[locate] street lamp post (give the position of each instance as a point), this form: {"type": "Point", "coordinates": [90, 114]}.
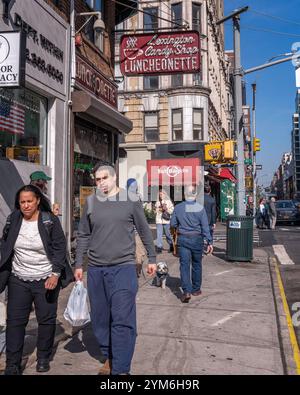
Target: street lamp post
{"type": "Point", "coordinates": [252, 142]}
{"type": "Point", "coordinates": [99, 27]}
{"type": "Point", "coordinates": [238, 103]}
{"type": "Point", "coordinates": [238, 75]}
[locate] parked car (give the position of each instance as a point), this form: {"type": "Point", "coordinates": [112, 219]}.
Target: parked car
{"type": "Point", "coordinates": [287, 211]}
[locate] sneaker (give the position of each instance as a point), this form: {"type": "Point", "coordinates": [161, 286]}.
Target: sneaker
{"type": "Point", "coordinates": [106, 368]}
{"type": "Point", "coordinates": [158, 250]}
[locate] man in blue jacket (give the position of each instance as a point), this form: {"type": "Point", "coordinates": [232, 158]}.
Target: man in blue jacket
{"type": "Point", "coordinates": [190, 219]}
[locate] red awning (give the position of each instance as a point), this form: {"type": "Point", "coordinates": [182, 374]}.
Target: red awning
{"type": "Point", "coordinates": [181, 171]}
{"type": "Point", "coordinates": [226, 173]}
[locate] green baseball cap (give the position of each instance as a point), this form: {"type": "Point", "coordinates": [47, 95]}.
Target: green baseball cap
{"type": "Point", "coordinates": [39, 175]}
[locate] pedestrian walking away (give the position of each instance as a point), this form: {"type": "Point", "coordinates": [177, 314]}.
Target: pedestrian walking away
{"type": "Point", "coordinates": [190, 219]}
{"type": "Point", "coordinates": [106, 231]}
{"type": "Point", "coordinates": [164, 208]}
{"type": "Point", "coordinates": [34, 266]}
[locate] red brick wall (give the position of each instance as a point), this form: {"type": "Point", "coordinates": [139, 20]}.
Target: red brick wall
{"type": "Point", "coordinates": [105, 61]}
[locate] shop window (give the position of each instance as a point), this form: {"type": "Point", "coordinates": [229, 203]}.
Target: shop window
{"type": "Point", "coordinates": [151, 82]}
{"type": "Point", "coordinates": [92, 144]}
{"type": "Point", "coordinates": [176, 12]}
{"type": "Point", "coordinates": [23, 125]}
{"type": "Point", "coordinates": [151, 18]}
{"type": "Point", "coordinates": [177, 80]}
{"type": "Point", "coordinates": [57, 3]}
{"type": "Point", "coordinates": [196, 17]}
{"type": "Point", "coordinates": [151, 129]}
{"type": "Point", "coordinates": [95, 35]}
{"type": "Point", "coordinates": [197, 124]}
{"type": "Point", "coordinates": [95, 5]}
{"type": "Point", "coordinates": [177, 126]}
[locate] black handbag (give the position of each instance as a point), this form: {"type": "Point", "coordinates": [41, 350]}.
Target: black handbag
{"type": "Point", "coordinates": [67, 276]}
{"type": "Point", "coordinates": [165, 215]}
{"type": "Point", "coordinates": [5, 271]}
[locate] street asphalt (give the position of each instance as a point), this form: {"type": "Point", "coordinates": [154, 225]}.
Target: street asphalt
{"type": "Point", "coordinates": [287, 236]}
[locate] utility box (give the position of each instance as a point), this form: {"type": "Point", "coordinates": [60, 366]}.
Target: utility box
{"type": "Point", "coordinates": [239, 239]}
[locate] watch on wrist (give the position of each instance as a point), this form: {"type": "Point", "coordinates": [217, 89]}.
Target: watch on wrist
{"type": "Point", "coordinates": [55, 274]}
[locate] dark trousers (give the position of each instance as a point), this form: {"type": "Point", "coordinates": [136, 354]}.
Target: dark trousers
{"type": "Point", "coordinates": [21, 294]}
{"type": "Point", "coordinates": [112, 291]}
{"type": "Point", "coordinates": [190, 258]}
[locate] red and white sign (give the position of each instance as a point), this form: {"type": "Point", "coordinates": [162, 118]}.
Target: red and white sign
{"type": "Point", "coordinates": [160, 53]}
{"type": "Point", "coordinates": [96, 82]}
{"type": "Point", "coordinates": [174, 171]}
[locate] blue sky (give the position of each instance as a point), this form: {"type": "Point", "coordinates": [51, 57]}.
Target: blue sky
{"type": "Point", "coordinates": [276, 86]}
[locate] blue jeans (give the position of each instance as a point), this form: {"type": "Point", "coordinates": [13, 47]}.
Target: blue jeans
{"type": "Point", "coordinates": [160, 229]}
{"type": "Point", "coordinates": [190, 252]}
{"type": "Point", "coordinates": [112, 291]}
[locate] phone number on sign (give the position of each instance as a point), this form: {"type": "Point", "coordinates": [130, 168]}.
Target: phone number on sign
{"type": "Point", "coordinates": [37, 61]}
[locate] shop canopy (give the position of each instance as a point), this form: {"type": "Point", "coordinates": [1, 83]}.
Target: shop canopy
{"type": "Point", "coordinates": [183, 171]}
{"type": "Point", "coordinates": [226, 173]}
{"type": "Point", "coordinates": [84, 102]}
{"type": "Point", "coordinates": [223, 174]}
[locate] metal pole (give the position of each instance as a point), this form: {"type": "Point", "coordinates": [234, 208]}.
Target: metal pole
{"type": "Point", "coordinates": [269, 64]}
{"type": "Point", "coordinates": [253, 152]}
{"type": "Point", "coordinates": [238, 73]}
{"type": "Point", "coordinates": [68, 149]}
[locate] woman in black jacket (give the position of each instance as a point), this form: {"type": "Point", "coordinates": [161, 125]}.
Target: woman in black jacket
{"type": "Point", "coordinates": [33, 258]}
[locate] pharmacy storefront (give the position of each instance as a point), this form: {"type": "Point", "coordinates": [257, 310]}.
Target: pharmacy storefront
{"type": "Point", "coordinates": [33, 113]}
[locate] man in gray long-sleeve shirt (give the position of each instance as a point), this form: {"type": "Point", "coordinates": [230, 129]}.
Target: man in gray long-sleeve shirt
{"type": "Point", "coordinates": [106, 233]}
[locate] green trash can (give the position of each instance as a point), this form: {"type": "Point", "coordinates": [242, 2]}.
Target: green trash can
{"type": "Point", "coordinates": [239, 238]}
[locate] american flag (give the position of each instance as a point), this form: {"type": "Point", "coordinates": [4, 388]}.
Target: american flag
{"type": "Point", "coordinates": [12, 117]}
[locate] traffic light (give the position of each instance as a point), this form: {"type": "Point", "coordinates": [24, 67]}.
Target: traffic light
{"type": "Point", "coordinates": [256, 144]}
{"type": "Point", "coordinates": [228, 149]}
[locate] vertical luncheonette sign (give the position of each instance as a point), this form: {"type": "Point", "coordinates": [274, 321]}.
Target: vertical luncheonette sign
{"type": "Point", "coordinates": [160, 53]}
{"type": "Point", "coordinates": [12, 59]}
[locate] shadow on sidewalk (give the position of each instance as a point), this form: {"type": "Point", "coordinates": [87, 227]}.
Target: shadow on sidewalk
{"type": "Point", "coordinates": [84, 341]}
{"type": "Point", "coordinates": [219, 253]}
{"type": "Point", "coordinates": [173, 283]}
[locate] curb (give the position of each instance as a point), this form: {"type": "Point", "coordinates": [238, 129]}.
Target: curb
{"type": "Point", "coordinates": [288, 344]}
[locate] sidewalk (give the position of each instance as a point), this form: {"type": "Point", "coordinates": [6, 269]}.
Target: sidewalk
{"type": "Point", "coordinates": [230, 329]}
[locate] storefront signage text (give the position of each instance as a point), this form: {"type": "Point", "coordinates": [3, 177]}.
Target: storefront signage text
{"type": "Point", "coordinates": [95, 82]}
{"type": "Point", "coordinates": [12, 63]}
{"type": "Point", "coordinates": [182, 171]}
{"type": "Point", "coordinates": [48, 46]}
{"type": "Point", "coordinates": [160, 53]}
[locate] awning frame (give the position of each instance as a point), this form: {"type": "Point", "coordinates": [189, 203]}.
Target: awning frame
{"type": "Point", "coordinates": [84, 102]}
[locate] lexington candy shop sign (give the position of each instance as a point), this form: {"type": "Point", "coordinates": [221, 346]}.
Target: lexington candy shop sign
{"type": "Point", "coordinates": [160, 53]}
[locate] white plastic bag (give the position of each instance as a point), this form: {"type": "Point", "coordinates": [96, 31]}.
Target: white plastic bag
{"type": "Point", "coordinates": [77, 311]}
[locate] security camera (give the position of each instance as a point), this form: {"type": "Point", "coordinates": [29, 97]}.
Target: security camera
{"type": "Point", "coordinates": [70, 103]}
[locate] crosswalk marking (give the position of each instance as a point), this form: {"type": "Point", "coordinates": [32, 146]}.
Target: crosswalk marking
{"type": "Point", "coordinates": [282, 255]}
{"type": "Point", "coordinates": [220, 236]}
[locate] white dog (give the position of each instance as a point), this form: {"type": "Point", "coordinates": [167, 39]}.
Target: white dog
{"type": "Point", "coordinates": [161, 274]}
